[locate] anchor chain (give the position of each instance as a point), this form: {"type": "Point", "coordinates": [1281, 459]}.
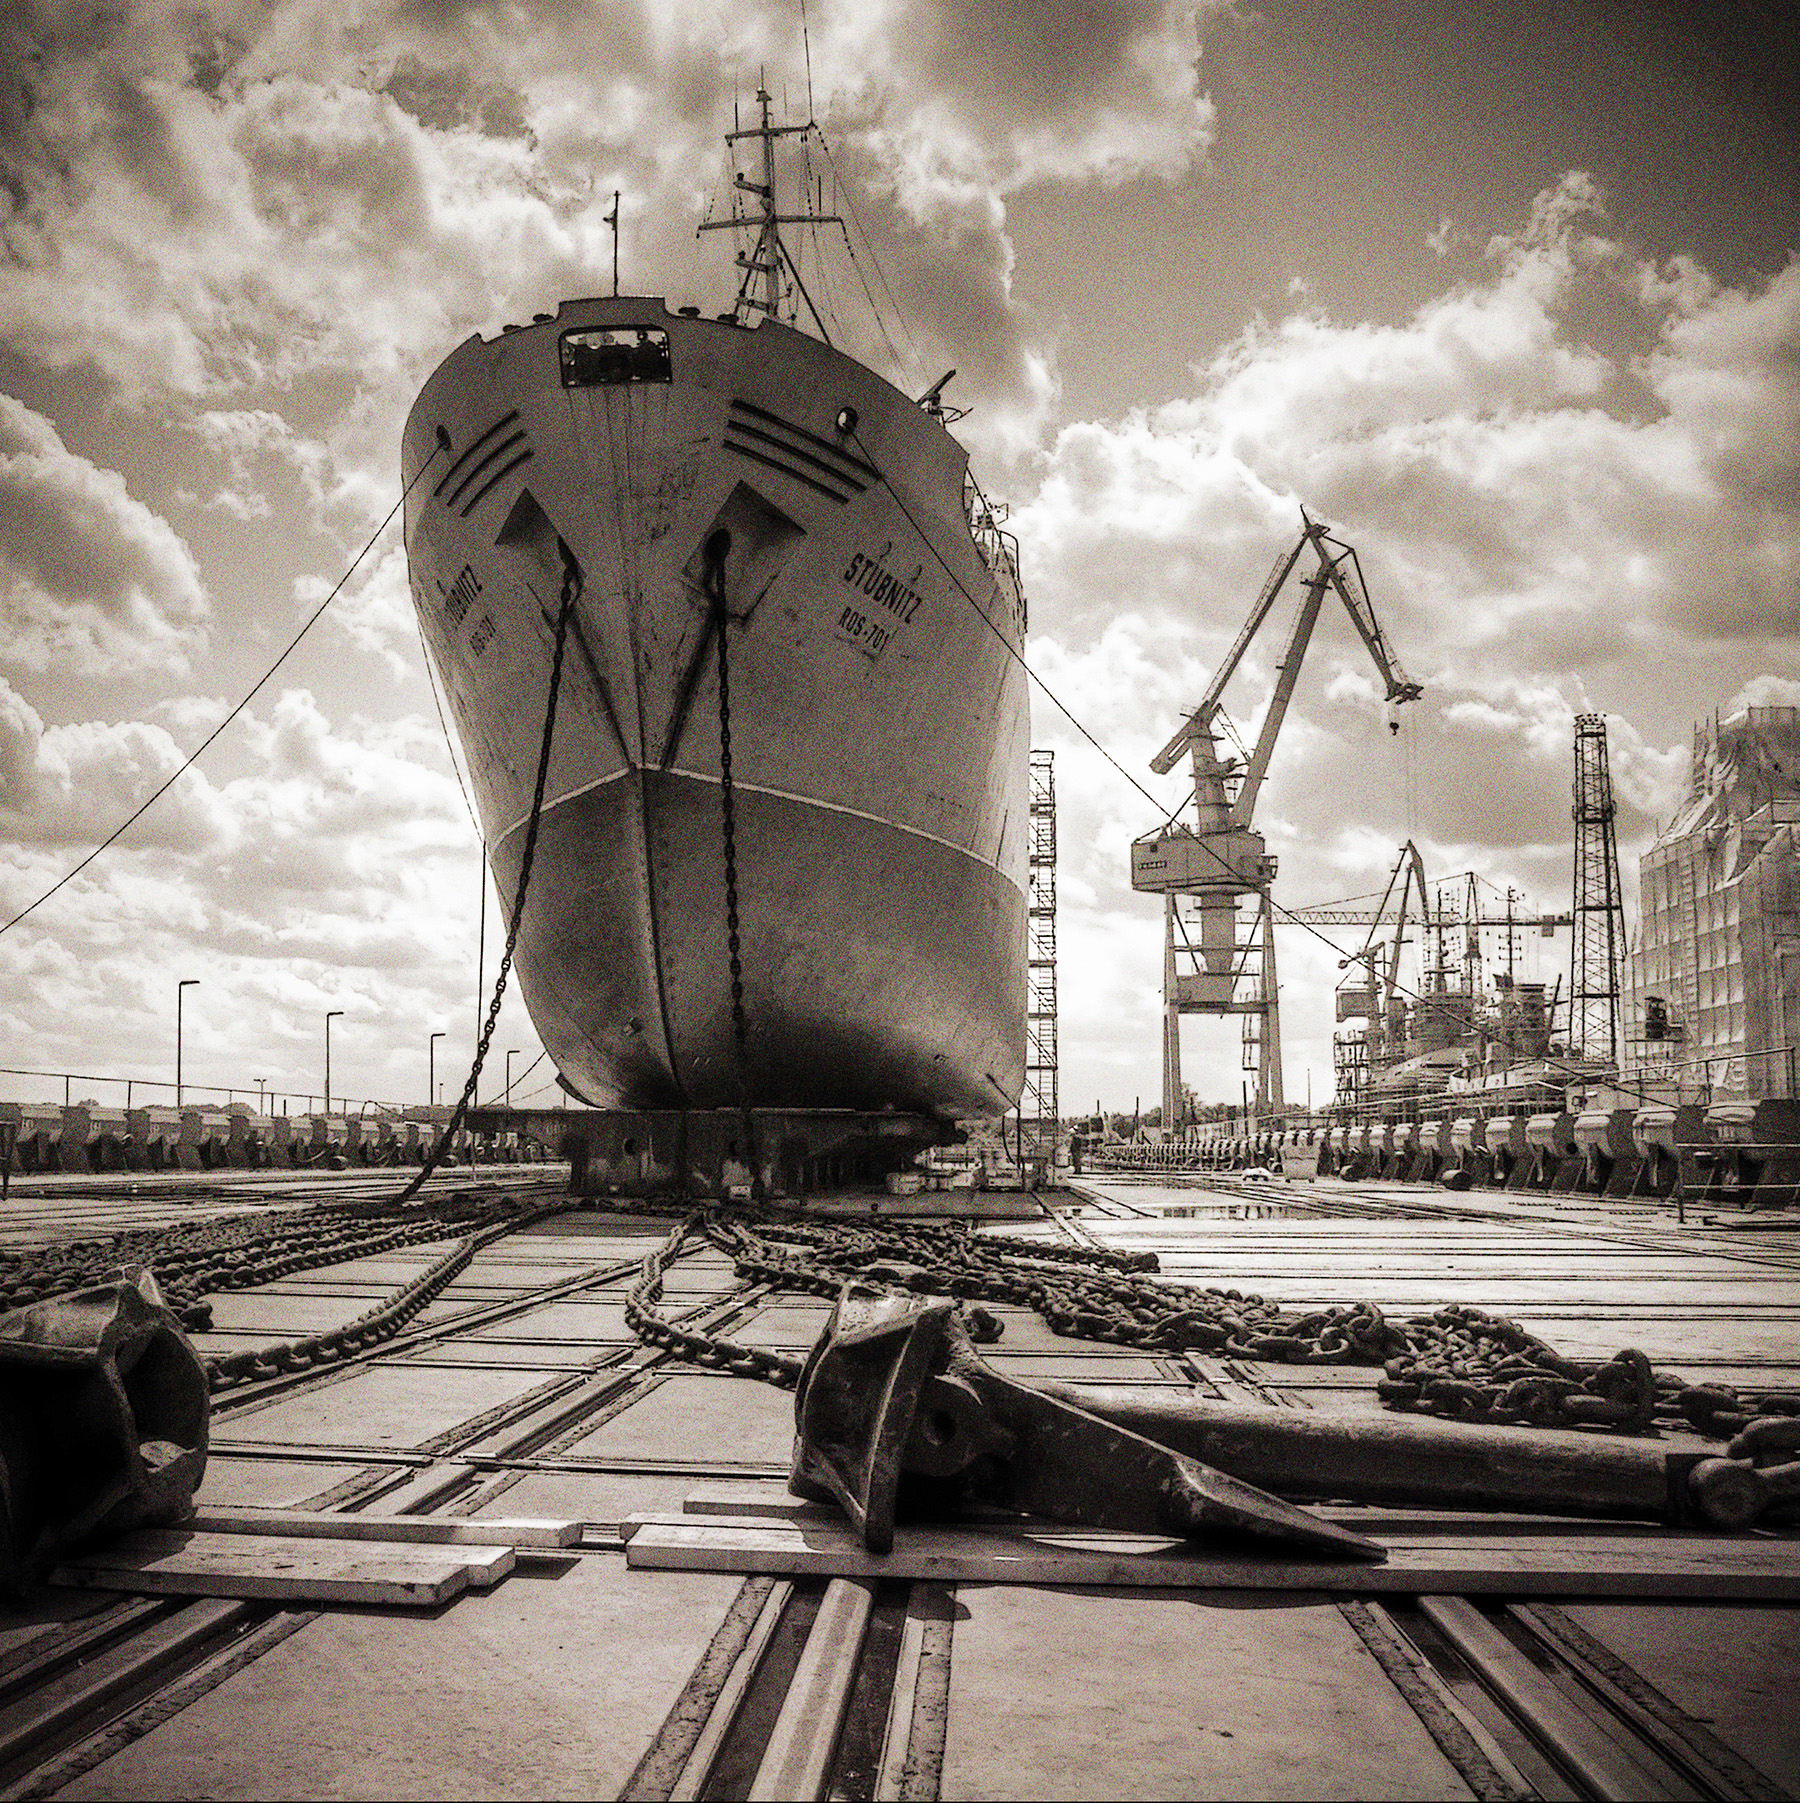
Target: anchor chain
{"type": "Point", "coordinates": [710, 1350]}
{"type": "Point", "coordinates": [1458, 1362]}
{"type": "Point", "coordinates": [715, 552]}
{"type": "Point", "coordinates": [375, 1325]}
{"type": "Point", "coordinates": [571, 590]}
{"type": "Point", "coordinates": [193, 1262]}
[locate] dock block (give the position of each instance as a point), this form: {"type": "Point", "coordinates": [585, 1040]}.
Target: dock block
{"type": "Point", "coordinates": [1753, 1158]}
{"type": "Point", "coordinates": [617, 1152]}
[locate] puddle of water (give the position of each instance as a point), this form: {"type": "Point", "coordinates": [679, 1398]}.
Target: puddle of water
{"type": "Point", "coordinates": [1234, 1211]}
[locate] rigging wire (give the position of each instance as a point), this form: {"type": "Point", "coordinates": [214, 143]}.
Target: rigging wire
{"type": "Point", "coordinates": [193, 757]}
{"type": "Point", "coordinates": [841, 192]}
{"type": "Point", "coordinates": [572, 585]}
{"type": "Point", "coordinates": [1287, 914]}
{"type": "Point", "coordinates": [526, 1072]}
{"type": "Point", "coordinates": [806, 46]}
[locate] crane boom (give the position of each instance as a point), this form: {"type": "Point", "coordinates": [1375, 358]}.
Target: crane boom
{"type": "Point", "coordinates": [1201, 718]}
{"type": "Point", "coordinates": [1287, 673]}
{"type": "Point", "coordinates": [1338, 569]}
{"type": "Point", "coordinates": [1347, 579]}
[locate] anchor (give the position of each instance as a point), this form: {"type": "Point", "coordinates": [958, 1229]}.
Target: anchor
{"type": "Point", "coordinates": [896, 1412]}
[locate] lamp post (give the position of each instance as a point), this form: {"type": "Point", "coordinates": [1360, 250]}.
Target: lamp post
{"type": "Point", "coordinates": [185, 983]}
{"type": "Point", "coordinates": [431, 1068]}
{"type": "Point", "coordinates": [329, 1018]}
{"type": "Point", "coordinates": [260, 1081]}
{"type": "Point", "coordinates": [511, 1053]}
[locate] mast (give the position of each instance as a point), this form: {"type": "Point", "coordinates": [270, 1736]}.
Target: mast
{"type": "Point", "coordinates": [759, 291]}
{"type": "Point", "coordinates": [768, 241]}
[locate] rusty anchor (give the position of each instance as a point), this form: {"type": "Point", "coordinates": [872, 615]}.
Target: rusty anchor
{"type": "Point", "coordinates": [895, 1409]}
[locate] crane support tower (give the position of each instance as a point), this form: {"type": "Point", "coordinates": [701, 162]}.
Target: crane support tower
{"type": "Point", "coordinates": [1599, 907]}
{"type": "Point", "coordinates": [1038, 1120]}
{"type": "Point", "coordinates": [1209, 965]}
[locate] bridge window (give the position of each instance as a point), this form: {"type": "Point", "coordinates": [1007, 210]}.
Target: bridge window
{"type": "Point", "coordinates": [603, 358]}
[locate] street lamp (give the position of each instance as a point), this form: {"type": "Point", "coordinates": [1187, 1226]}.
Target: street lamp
{"type": "Point", "coordinates": [260, 1081]}
{"type": "Point", "coordinates": [185, 983]}
{"type": "Point", "coordinates": [431, 1067]}
{"type": "Point", "coordinates": [329, 1018]}
{"type": "Point", "coordinates": [511, 1053]}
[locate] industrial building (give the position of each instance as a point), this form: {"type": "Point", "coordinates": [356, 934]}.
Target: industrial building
{"type": "Point", "coordinates": [1713, 981]}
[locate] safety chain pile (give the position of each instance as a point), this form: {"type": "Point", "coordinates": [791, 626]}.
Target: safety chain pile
{"type": "Point", "coordinates": [377, 1324]}
{"type": "Point", "coordinates": [1460, 1362]}
{"type": "Point", "coordinates": [245, 1251]}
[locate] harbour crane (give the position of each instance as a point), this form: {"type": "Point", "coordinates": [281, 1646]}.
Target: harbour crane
{"type": "Point", "coordinates": [1221, 858]}
{"type": "Point", "coordinates": [1438, 1018]}
{"type": "Point", "coordinates": [1375, 991]}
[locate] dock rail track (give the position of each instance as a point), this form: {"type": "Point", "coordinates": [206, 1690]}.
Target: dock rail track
{"type": "Point", "coordinates": [852, 1687]}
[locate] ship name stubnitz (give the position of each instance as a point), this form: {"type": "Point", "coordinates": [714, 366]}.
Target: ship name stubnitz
{"type": "Point", "coordinates": [458, 599]}
{"type": "Point", "coordinates": [886, 591]}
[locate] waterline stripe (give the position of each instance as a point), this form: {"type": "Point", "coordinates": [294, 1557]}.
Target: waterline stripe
{"type": "Point", "coordinates": [810, 801]}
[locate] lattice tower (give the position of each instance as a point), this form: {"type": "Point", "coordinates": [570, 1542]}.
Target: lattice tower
{"type": "Point", "coordinates": [1599, 906]}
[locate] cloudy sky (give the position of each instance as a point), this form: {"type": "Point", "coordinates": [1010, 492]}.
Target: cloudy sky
{"type": "Point", "coordinates": [1508, 295]}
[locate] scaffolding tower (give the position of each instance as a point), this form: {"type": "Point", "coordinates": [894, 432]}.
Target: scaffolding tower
{"type": "Point", "coordinates": [1599, 905]}
{"type": "Point", "coordinates": [1038, 1118]}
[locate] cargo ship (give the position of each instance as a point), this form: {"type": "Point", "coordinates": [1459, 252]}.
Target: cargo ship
{"type": "Point", "coordinates": [686, 478]}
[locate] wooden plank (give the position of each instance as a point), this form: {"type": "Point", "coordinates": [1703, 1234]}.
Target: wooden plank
{"type": "Point", "coordinates": [750, 1501]}
{"type": "Point", "coordinates": [424, 1530]}
{"type": "Point", "coordinates": [745, 1500]}
{"type": "Point", "coordinates": [168, 1562]}
{"type": "Point", "coordinates": [1599, 1564]}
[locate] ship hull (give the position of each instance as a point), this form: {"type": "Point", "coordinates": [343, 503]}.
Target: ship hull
{"type": "Point", "coordinates": [877, 717]}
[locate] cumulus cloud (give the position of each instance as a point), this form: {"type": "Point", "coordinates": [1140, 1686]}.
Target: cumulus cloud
{"type": "Point", "coordinates": [245, 438]}
{"type": "Point", "coordinates": [71, 785]}
{"type": "Point", "coordinates": [1507, 497]}
{"type": "Point", "coordinates": [90, 578]}
{"type": "Point", "coordinates": [213, 205]}
{"type": "Point", "coordinates": [334, 868]}
{"type": "Point", "coordinates": [1555, 516]}
{"type": "Point", "coordinates": [375, 613]}
{"type": "Point", "coordinates": [971, 102]}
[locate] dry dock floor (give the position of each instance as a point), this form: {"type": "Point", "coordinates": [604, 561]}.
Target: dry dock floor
{"type": "Point", "coordinates": [520, 1393]}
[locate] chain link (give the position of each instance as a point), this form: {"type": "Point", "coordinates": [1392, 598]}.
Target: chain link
{"type": "Point", "coordinates": [195, 1261]}
{"type": "Point", "coordinates": [1459, 1362]}
{"type": "Point", "coordinates": [710, 1350]}
{"type": "Point", "coordinates": [571, 590]}
{"type": "Point", "coordinates": [740, 1022]}
{"type": "Point", "coordinates": [378, 1324]}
